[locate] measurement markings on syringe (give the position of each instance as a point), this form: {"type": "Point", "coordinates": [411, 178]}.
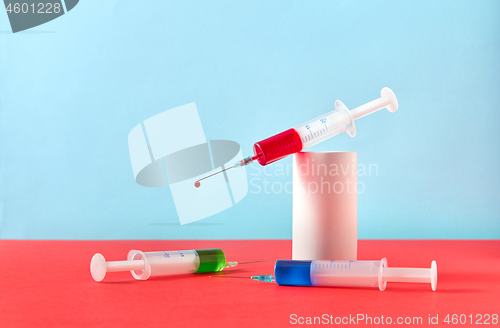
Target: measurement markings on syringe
{"type": "Point", "coordinates": [323, 120]}
{"type": "Point", "coordinates": [316, 134]}
{"type": "Point", "coordinates": [333, 265]}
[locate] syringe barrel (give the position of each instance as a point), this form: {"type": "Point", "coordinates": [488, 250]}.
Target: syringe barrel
{"type": "Point", "coordinates": [345, 273]}
{"type": "Point", "coordinates": [324, 127]}
{"type": "Point", "coordinates": [177, 262]}
{"type": "Point", "coordinates": [277, 147]}
{"type": "Point", "coordinates": [328, 273]}
{"type": "Point", "coordinates": [302, 136]}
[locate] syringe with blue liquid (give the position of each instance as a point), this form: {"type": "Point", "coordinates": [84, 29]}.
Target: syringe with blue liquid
{"type": "Point", "coordinates": [345, 274]}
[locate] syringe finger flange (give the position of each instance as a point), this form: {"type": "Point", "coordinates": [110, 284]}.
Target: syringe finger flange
{"type": "Point", "coordinates": [350, 128]}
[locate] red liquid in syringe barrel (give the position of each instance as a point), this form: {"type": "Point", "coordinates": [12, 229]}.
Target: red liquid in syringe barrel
{"type": "Point", "coordinates": [277, 147]}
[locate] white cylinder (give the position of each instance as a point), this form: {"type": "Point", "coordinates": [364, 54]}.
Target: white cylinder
{"type": "Point", "coordinates": [325, 206]}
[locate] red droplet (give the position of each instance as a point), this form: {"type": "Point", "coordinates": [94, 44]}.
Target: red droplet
{"type": "Point", "coordinates": [197, 184]}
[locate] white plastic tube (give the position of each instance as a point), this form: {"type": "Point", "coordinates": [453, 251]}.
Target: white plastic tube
{"type": "Point", "coordinates": [325, 206]}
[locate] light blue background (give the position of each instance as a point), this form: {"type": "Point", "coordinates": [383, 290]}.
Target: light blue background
{"type": "Point", "coordinates": [73, 88]}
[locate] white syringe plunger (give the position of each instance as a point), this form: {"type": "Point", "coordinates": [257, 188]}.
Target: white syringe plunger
{"type": "Point", "coordinates": [99, 266]}
{"type": "Point", "coordinates": [387, 100]}
{"type": "Point", "coordinates": [342, 119]}
{"type": "Point", "coordinates": [419, 275]}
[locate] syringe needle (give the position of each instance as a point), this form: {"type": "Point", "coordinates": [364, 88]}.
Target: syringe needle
{"type": "Point", "coordinates": [197, 184]}
{"type": "Point", "coordinates": [230, 276]}
{"type": "Point", "coordinates": [241, 163]}
{"type": "Point", "coordinates": [252, 262]}
{"type": "Point", "coordinates": [266, 278]}
{"type": "Point", "coordinates": [233, 264]}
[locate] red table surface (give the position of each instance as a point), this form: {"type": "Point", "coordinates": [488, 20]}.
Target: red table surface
{"type": "Point", "coordinates": [48, 284]}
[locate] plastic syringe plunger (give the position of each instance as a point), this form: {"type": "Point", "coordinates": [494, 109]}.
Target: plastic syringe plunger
{"type": "Point", "coordinates": [99, 267]}
{"type": "Point", "coordinates": [420, 275]}
{"type": "Point", "coordinates": [387, 100]}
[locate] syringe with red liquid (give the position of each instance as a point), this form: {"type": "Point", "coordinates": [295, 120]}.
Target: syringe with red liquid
{"type": "Point", "coordinates": [314, 131]}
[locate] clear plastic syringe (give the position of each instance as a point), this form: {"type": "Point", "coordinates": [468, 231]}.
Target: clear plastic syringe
{"type": "Point", "coordinates": [314, 131]}
{"type": "Point", "coordinates": [346, 274]}
{"type": "Point", "coordinates": [143, 265]}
